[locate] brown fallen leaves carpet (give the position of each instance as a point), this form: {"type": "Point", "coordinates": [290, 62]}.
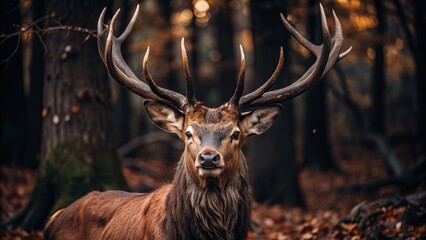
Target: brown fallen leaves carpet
{"type": "Point", "coordinates": [378, 215]}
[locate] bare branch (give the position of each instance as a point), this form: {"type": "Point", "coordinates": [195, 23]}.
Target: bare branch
{"type": "Point", "coordinates": [67, 28]}
{"type": "Point", "coordinates": [18, 43]}
{"type": "Point", "coordinates": [34, 29]}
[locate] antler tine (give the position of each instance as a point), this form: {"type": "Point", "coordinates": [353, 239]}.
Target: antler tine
{"type": "Point", "coordinates": [100, 35]}
{"type": "Point", "coordinates": [159, 91]}
{"type": "Point", "coordinates": [345, 53]}
{"type": "Point", "coordinates": [268, 84]}
{"type": "Point", "coordinates": [337, 43]}
{"type": "Point", "coordinates": [239, 88]}
{"type": "Point", "coordinates": [116, 45]}
{"type": "Point", "coordinates": [190, 92]}
{"type": "Point", "coordinates": [315, 72]}
{"type": "Point", "coordinates": [148, 77]}
{"type": "Point", "coordinates": [119, 69]}
{"type": "Point", "coordinates": [109, 46]}
{"type": "Point", "coordinates": [339, 28]}
{"type": "Point", "coordinates": [302, 40]}
{"type": "Point", "coordinates": [129, 27]}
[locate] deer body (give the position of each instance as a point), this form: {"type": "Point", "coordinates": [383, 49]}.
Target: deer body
{"type": "Point", "coordinates": [192, 207]}
{"type": "Point", "coordinates": [209, 197]}
{"type": "Point", "coordinates": [101, 214]}
{"type": "Point", "coordinates": [158, 215]}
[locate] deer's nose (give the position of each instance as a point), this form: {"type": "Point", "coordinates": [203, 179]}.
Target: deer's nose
{"type": "Point", "coordinates": [209, 160]}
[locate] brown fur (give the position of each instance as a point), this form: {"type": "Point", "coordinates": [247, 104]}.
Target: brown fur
{"type": "Point", "coordinates": [203, 115]}
{"type": "Point", "coordinates": [192, 207]}
{"type": "Point", "coordinates": [215, 210]}
{"type": "Point", "coordinates": [111, 215]}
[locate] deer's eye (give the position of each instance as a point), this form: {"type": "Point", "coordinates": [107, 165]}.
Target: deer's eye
{"type": "Point", "coordinates": [188, 134]}
{"type": "Point", "coordinates": [235, 135]}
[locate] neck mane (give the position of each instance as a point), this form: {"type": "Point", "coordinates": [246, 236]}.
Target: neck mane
{"type": "Point", "coordinates": [216, 208]}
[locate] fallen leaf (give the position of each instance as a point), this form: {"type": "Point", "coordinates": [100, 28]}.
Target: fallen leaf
{"type": "Point", "coordinates": [348, 226]}
{"type": "Point", "coordinates": [398, 226]}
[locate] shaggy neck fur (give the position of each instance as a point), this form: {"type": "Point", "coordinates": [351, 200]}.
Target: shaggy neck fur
{"type": "Point", "coordinates": [216, 208]}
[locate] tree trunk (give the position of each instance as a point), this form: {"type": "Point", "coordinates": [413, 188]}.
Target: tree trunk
{"type": "Point", "coordinates": [122, 116]}
{"type": "Point", "coordinates": [272, 165]}
{"type": "Point", "coordinates": [317, 153]}
{"type": "Point", "coordinates": [35, 102]}
{"type": "Point", "coordinates": [77, 150]}
{"type": "Point", "coordinates": [378, 87]}
{"type": "Point", "coordinates": [13, 105]}
{"type": "Point", "coordinates": [415, 40]}
{"type": "Point", "coordinates": [420, 26]}
{"type": "Point", "coordinates": [172, 80]}
{"type": "Point", "coordinates": [194, 62]}
{"type": "Point", "coordinates": [225, 43]}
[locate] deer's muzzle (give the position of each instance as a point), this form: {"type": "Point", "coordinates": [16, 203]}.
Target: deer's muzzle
{"type": "Point", "coordinates": [209, 164]}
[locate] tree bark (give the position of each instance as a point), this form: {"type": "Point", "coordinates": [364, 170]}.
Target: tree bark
{"type": "Point", "coordinates": [225, 44]}
{"type": "Point", "coordinates": [78, 154]}
{"type": "Point", "coordinates": [35, 102]}
{"type": "Point", "coordinates": [122, 116]}
{"type": "Point", "coordinates": [415, 40]}
{"type": "Point", "coordinates": [272, 165]}
{"type": "Point", "coordinates": [172, 80]}
{"type": "Point", "coordinates": [378, 87]}
{"type": "Point", "coordinates": [317, 153]}
{"type": "Point", "coordinates": [194, 62]}
{"type": "Point", "coordinates": [420, 26]}
{"type": "Point", "coordinates": [13, 105]}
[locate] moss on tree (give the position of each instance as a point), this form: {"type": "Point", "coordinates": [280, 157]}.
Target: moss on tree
{"type": "Point", "coordinates": [73, 169]}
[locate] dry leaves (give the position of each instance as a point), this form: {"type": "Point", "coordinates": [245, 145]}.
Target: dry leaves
{"type": "Point", "coordinates": [277, 222]}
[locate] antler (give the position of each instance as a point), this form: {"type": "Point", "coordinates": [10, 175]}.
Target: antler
{"type": "Point", "coordinates": [327, 54]}
{"type": "Point", "coordinates": [235, 99]}
{"type": "Point", "coordinates": [109, 48]}
{"type": "Point", "coordinates": [190, 92]}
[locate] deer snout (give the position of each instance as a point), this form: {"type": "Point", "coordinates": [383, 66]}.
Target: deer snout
{"type": "Point", "coordinates": [209, 160]}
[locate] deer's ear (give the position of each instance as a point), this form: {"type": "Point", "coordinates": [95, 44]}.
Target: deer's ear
{"type": "Point", "coordinates": [260, 120]}
{"type": "Point", "coordinates": [165, 116]}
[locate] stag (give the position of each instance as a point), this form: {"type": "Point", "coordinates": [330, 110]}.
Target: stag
{"type": "Point", "coordinates": [209, 197]}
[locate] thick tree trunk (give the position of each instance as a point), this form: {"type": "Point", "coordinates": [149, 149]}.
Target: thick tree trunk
{"type": "Point", "coordinates": [378, 81]}
{"type": "Point", "coordinates": [77, 151]}
{"type": "Point", "coordinates": [172, 80]}
{"type": "Point", "coordinates": [317, 153]}
{"type": "Point", "coordinates": [420, 26]}
{"type": "Point", "coordinates": [36, 93]}
{"type": "Point", "coordinates": [415, 41]}
{"type": "Point", "coordinates": [200, 84]}
{"type": "Point", "coordinates": [272, 165]}
{"type": "Point", "coordinates": [13, 105]}
{"type": "Point", "coordinates": [225, 43]}
{"type": "Point", "coordinates": [122, 116]}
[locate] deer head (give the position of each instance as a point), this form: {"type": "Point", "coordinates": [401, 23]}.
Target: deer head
{"type": "Point", "coordinates": [214, 136]}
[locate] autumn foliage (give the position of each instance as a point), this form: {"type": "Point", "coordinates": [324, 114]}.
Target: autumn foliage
{"type": "Point", "coordinates": [328, 215]}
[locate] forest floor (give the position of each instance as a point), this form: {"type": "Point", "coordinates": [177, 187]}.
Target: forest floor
{"type": "Point", "coordinates": [327, 213]}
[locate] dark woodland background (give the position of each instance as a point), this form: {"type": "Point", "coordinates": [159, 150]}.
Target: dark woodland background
{"type": "Point", "coordinates": [67, 129]}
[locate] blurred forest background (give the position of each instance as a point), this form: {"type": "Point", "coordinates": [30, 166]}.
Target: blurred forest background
{"type": "Point", "coordinates": [67, 129]}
